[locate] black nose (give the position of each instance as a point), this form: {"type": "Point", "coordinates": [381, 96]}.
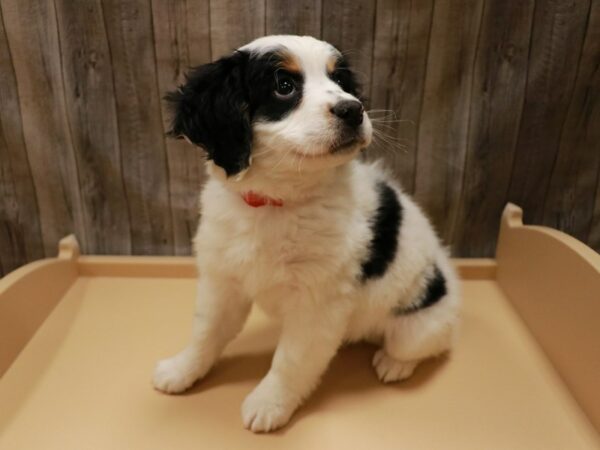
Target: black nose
{"type": "Point", "coordinates": [350, 111]}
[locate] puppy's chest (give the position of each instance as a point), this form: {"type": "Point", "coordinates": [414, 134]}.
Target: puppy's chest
{"type": "Point", "coordinates": [284, 239]}
{"type": "Point", "coordinates": [269, 241]}
{"type": "Point", "coordinates": [274, 246]}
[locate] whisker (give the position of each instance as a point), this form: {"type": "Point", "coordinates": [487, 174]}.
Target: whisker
{"type": "Point", "coordinates": [385, 120]}
{"type": "Point", "coordinates": [264, 152]}
{"type": "Point", "coordinates": [390, 144]}
{"type": "Point", "coordinates": [391, 137]}
{"type": "Point", "coordinates": [387, 126]}
{"type": "Point", "coordinates": [300, 161]}
{"type": "Point", "coordinates": [386, 112]}
{"type": "Point", "coordinates": [283, 156]}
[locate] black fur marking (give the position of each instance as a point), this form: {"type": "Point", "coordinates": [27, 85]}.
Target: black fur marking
{"type": "Point", "coordinates": [384, 227]}
{"type": "Point", "coordinates": [263, 78]}
{"type": "Point", "coordinates": [433, 293]}
{"type": "Point", "coordinates": [217, 104]}
{"type": "Point", "coordinates": [344, 76]}
{"type": "Point", "coordinates": [212, 110]}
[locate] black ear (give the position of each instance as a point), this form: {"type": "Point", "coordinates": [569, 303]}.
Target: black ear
{"type": "Point", "coordinates": [211, 109]}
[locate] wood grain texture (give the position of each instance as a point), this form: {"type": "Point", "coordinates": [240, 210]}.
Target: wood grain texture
{"type": "Point", "coordinates": [182, 40]}
{"type": "Point", "coordinates": [234, 23]}
{"type": "Point", "coordinates": [557, 37]}
{"type": "Point", "coordinates": [350, 25]}
{"type": "Point", "coordinates": [32, 34]}
{"type": "Point", "coordinates": [499, 78]}
{"type": "Point", "coordinates": [590, 63]}
{"type": "Point", "coordinates": [571, 195]}
{"type": "Point", "coordinates": [445, 111]}
{"type": "Point", "coordinates": [594, 237]}
{"type": "Point", "coordinates": [490, 101]}
{"type": "Point", "coordinates": [144, 162]}
{"type": "Point", "coordinates": [302, 17]}
{"type": "Point", "coordinates": [20, 233]}
{"type": "Point", "coordinates": [90, 101]}
{"type": "Point", "coordinates": [402, 31]}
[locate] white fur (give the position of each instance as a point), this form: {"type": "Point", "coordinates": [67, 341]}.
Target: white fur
{"type": "Point", "coordinates": [300, 262]}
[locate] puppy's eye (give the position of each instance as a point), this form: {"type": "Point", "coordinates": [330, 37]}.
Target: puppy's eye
{"type": "Point", "coordinates": [336, 78]}
{"type": "Point", "coordinates": [285, 86]}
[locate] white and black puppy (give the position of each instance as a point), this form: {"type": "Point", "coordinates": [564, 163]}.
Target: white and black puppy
{"type": "Point", "coordinates": [292, 222]}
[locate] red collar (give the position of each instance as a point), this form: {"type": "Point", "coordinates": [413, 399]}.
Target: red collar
{"type": "Point", "coordinates": [256, 200]}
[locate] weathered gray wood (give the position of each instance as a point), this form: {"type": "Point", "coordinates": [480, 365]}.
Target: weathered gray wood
{"type": "Point", "coordinates": [496, 101]}
{"type": "Point", "coordinates": [20, 233]}
{"type": "Point", "coordinates": [399, 62]}
{"type": "Point", "coordinates": [349, 25]}
{"type": "Point", "coordinates": [234, 23]}
{"type": "Point", "coordinates": [90, 103]}
{"type": "Point", "coordinates": [445, 111]}
{"type": "Point", "coordinates": [33, 41]}
{"type": "Point", "coordinates": [499, 78]}
{"type": "Point", "coordinates": [570, 199]}
{"type": "Point", "coordinates": [182, 40]}
{"type": "Point", "coordinates": [144, 161]}
{"type": "Point", "coordinates": [302, 17]}
{"type": "Point", "coordinates": [558, 32]}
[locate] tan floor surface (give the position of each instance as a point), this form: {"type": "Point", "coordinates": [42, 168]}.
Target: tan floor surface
{"type": "Point", "coordinates": [83, 382]}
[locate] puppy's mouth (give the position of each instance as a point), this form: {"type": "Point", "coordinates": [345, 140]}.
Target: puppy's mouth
{"type": "Point", "coordinates": [337, 149]}
{"type": "Point", "coordinates": [349, 139]}
{"type": "Point", "coordinates": [345, 145]}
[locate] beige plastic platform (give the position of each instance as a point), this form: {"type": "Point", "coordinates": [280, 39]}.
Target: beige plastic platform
{"type": "Point", "coordinates": [79, 336]}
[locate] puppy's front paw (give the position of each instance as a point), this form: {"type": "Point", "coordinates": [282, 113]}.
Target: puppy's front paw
{"type": "Point", "coordinates": [176, 374]}
{"type": "Point", "coordinates": [389, 369]}
{"type": "Point", "coordinates": [267, 408]}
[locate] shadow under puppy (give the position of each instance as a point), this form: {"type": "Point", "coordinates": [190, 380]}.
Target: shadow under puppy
{"type": "Point", "coordinates": [293, 222]}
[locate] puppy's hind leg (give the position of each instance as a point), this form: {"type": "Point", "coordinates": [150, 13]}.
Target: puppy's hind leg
{"type": "Point", "coordinates": [221, 312]}
{"type": "Point", "coordinates": [418, 332]}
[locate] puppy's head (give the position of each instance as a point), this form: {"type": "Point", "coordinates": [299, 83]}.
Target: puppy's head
{"type": "Point", "coordinates": [281, 101]}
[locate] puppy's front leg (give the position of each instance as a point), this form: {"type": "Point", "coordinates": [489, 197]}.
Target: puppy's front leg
{"type": "Point", "coordinates": [221, 311]}
{"type": "Point", "coordinates": [309, 339]}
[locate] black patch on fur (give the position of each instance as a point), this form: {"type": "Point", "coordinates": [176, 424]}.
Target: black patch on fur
{"type": "Point", "coordinates": [212, 110]}
{"type": "Point", "coordinates": [217, 104]}
{"type": "Point", "coordinates": [262, 78]}
{"type": "Point", "coordinates": [345, 77]}
{"type": "Point", "coordinates": [384, 227]}
{"type": "Point", "coordinates": [433, 293]}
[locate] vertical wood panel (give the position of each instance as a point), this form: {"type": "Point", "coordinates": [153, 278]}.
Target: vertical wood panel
{"type": "Point", "coordinates": [496, 101]}
{"type": "Point", "coordinates": [20, 233]}
{"type": "Point", "coordinates": [349, 26]}
{"type": "Point", "coordinates": [234, 23]}
{"type": "Point", "coordinates": [558, 32]}
{"type": "Point", "coordinates": [182, 40]}
{"type": "Point", "coordinates": [399, 60]}
{"type": "Point", "coordinates": [570, 199]}
{"type": "Point", "coordinates": [594, 236]}
{"type": "Point", "coordinates": [445, 112]}
{"type": "Point", "coordinates": [33, 40]}
{"type": "Point", "coordinates": [90, 102]}
{"type": "Point", "coordinates": [144, 162]}
{"type": "Point", "coordinates": [302, 17]}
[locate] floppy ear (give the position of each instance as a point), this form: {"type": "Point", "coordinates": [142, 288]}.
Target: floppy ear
{"type": "Point", "coordinates": [211, 110]}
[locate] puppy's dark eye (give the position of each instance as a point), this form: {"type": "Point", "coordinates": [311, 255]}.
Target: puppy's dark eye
{"type": "Point", "coordinates": [336, 78]}
{"type": "Point", "coordinates": [285, 86]}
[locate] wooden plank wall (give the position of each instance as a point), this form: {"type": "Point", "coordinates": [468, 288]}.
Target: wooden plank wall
{"type": "Point", "coordinates": [476, 103]}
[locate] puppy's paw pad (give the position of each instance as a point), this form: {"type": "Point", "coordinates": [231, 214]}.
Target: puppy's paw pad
{"type": "Point", "coordinates": [389, 369]}
{"type": "Point", "coordinates": [263, 412]}
{"type": "Point", "coordinates": [175, 375]}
